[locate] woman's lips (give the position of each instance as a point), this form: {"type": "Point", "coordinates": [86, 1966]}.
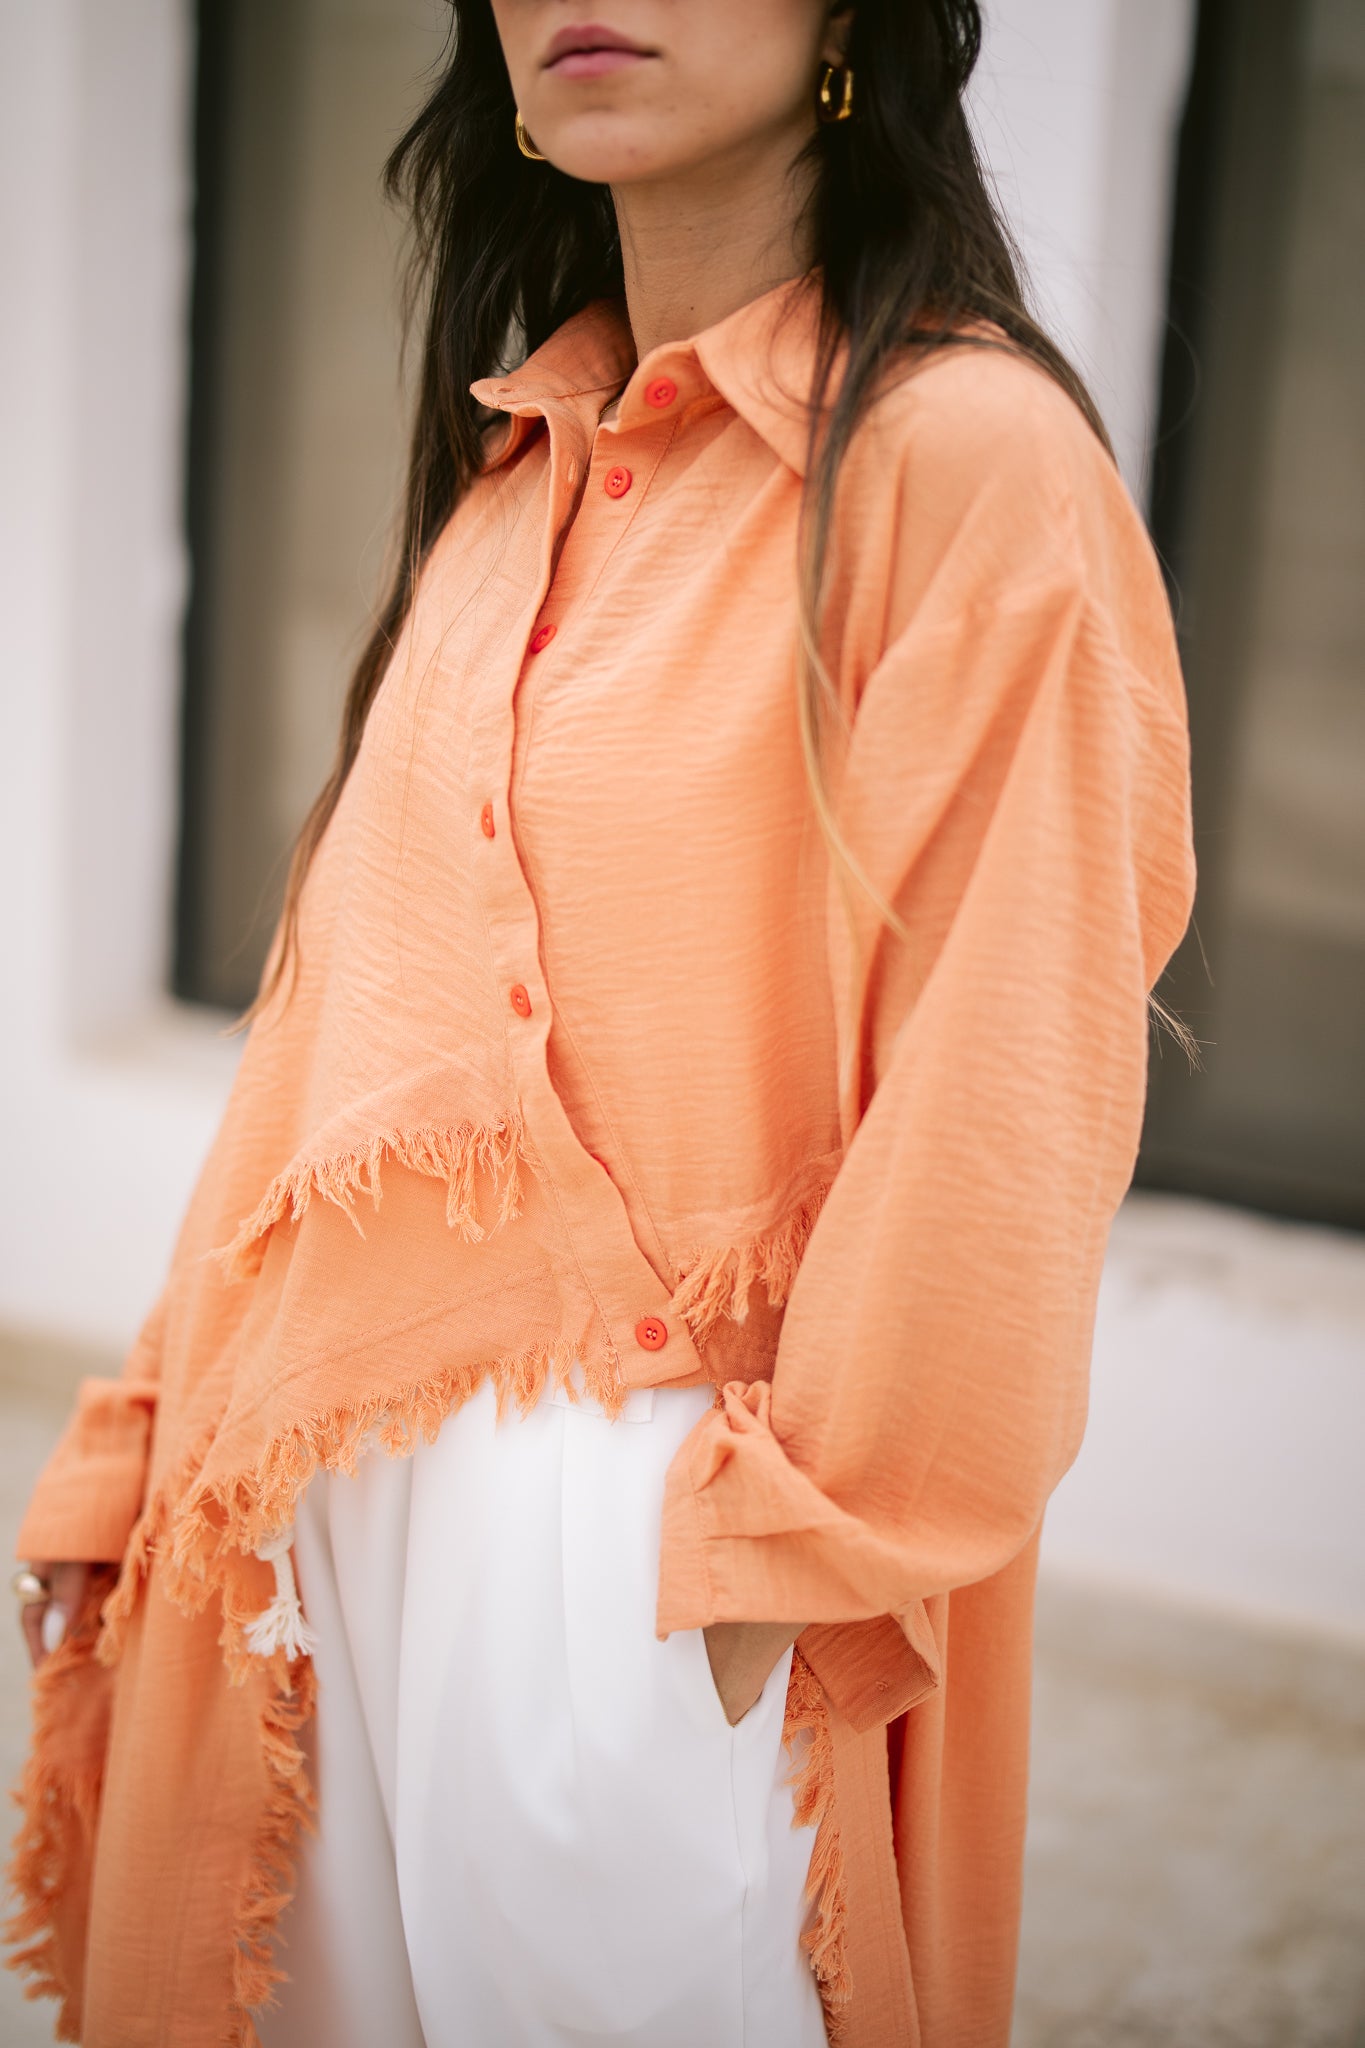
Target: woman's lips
{"type": "Point", "coordinates": [588, 51]}
{"type": "Point", "coordinates": [595, 63]}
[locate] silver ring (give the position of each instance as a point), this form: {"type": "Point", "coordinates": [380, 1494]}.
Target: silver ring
{"type": "Point", "coordinates": [28, 1589]}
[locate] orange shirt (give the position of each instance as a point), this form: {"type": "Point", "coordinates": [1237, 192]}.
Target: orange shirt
{"type": "Point", "coordinates": [578, 996]}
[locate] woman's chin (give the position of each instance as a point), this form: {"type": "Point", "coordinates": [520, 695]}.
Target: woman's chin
{"type": "Point", "coordinates": [607, 151]}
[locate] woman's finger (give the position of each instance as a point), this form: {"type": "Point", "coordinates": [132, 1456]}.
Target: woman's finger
{"type": "Point", "coordinates": [31, 1619]}
{"type": "Point", "coordinates": [45, 1622]}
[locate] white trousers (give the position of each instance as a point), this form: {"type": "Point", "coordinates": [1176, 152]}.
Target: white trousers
{"type": "Point", "coordinates": [536, 1827]}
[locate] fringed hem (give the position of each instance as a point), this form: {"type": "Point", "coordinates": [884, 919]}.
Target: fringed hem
{"type": "Point", "coordinates": [51, 1853]}
{"type": "Point", "coordinates": [814, 1806]}
{"type": "Point", "coordinates": [269, 1887]}
{"type": "Point", "coordinates": [716, 1280]}
{"type": "Point", "coordinates": [209, 1528]}
{"type": "Point", "coordinates": [193, 1527]}
{"type": "Point", "coordinates": [243, 1512]}
{"type": "Point", "coordinates": [198, 1534]}
{"type": "Point", "coordinates": [58, 1824]}
{"type": "Point", "coordinates": [457, 1154]}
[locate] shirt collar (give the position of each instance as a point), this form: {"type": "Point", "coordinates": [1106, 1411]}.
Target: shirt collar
{"type": "Point", "coordinates": [760, 360]}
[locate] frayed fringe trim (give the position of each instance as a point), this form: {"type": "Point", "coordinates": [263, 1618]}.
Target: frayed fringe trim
{"type": "Point", "coordinates": [289, 1809]}
{"type": "Point", "coordinates": [456, 1154]}
{"type": "Point", "coordinates": [60, 1808]}
{"type": "Point", "coordinates": [814, 1806]}
{"type": "Point", "coordinates": [57, 1828]}
{"type": "Point", "coordinates": [715, 1281]}
{"type": "Point", "coordinates": [243, 1513]}
{"type": "Point", "coordinates": [194, 1529]}
{"type": "Point", "coordinates": [198, 1535]}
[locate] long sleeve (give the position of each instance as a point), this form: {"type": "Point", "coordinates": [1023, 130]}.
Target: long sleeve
{"type": "Point", "coordinates": [1017, 783]}
{"type": "Point", "coordinates": [89, 1493]}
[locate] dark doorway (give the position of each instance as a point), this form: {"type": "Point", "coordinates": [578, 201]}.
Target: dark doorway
{"type": "Point", "coordinates": [1259, 510]}
{"type": "Point", "coordinates": [296, 434]}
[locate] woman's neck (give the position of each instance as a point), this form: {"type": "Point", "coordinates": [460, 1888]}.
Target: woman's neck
{"type": "Point", "coordinates": [698, 248]}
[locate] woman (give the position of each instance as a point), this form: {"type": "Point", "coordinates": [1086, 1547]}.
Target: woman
{"type": "Point", "coordinates": [761, 815]}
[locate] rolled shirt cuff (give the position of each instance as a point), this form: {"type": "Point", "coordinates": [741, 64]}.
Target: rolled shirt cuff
{"type": "Point", "coordinates": [89, 1494]}
{"type": "Point", "coordinates": [795, 1556]}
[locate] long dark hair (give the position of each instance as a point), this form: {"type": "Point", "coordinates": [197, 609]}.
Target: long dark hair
{"type": "Point", "coordinates": [908, 241]}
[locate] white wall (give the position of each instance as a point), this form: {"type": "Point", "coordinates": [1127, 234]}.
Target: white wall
{"type": "Point", "coordinates": [1077, 105]}
{"type": "Point", "coordinates": [110, 1093]}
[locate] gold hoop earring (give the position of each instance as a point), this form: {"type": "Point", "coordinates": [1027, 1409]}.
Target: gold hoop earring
{"type": "Point", "coordinates": [524, 142]}
{"type": "Point", "coordinates": [831, 109]}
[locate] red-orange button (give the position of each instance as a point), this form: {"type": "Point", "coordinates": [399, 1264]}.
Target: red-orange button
{"type": "Point", "coordinates": [660, 393]}
{"type": "Point", "coordinates": [542, 637]}
{"type": "Point", "coordinates": [651, 1334]}
{"type": "Point", "coordinates": [521, 1002]}
{"type": "Point", "coordinates": [616, 482]}
{"type": "Point", "coordinates": [486, 821]}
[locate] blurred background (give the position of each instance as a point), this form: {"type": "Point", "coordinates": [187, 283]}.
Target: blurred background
{"type": "Point", "coordinates": [201, 444]}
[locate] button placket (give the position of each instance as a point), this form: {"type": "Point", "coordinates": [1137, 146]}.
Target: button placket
{"type": "Point", "coordinates": [594, 536]}
{"type": "Point", "coordinates": [627, 1294]}
{"type": "Point", "coordinates": [511, 920]}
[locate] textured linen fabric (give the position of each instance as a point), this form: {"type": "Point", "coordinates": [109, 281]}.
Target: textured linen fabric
{"type": "Point", "coordinates": [546, 1826]}
{"type": "Point", "coordinates": [582, 995]}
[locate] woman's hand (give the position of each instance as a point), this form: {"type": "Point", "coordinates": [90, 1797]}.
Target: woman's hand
{"type": "Point", "coordinates": [742, 1654]}
{"type": "Point", "coordinates": [45, 1622]}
